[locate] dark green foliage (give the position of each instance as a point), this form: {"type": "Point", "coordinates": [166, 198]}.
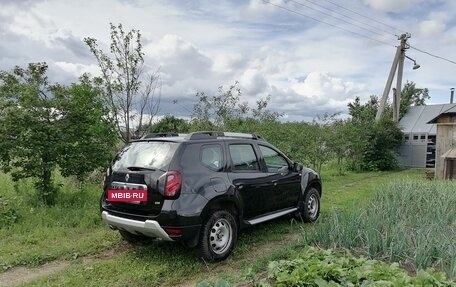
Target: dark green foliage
{"type": "Point", "coordinates": [88, 133]}
{"type": "Point", "coordinates": [372, 145]}
{"type": "Point", "coordinates": [412, 96]}
{"type": "Point", "coordinates": [44, 126]}
{"type": "Point", "coordinates": [363, 112]}
{"type": "Point", "coordinates": [8, 213]}
{"type": "Point", "coordinates": [381, 144]}
{"type": "Point", "coordinates": [170, 124]}
{"type": "Point", "coordinates": [30, 136]}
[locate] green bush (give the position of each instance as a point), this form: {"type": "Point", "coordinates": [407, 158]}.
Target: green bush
{"type": "Point", "coordinates": [8, 214]}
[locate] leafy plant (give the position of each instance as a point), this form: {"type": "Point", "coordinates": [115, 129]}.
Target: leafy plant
{"type": "Point", "coordinates": [318, 267]}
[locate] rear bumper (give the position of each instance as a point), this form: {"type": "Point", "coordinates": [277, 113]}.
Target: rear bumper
{"type": "Point", "coordinates": [150, 228]}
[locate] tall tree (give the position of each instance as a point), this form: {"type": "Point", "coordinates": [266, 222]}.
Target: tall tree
{"type": "Point", "coordinates": [88, 132]}
{"type": "Point", "coordinates": [412, 96]}
{"type": "Point", "coordinates": [30, 132]}
{"type": "Point", "coordinates": [225, 107]}
{"type": "Point", "coordinates": [133, 95]}
{"type": "Point", "coordinates": [363, 112]}
{"type": "Point", "coordinates": [45, 125]}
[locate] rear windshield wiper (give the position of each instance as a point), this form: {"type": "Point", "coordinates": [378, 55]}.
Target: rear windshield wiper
{"type": "Point", "coordinates": [140, 168]}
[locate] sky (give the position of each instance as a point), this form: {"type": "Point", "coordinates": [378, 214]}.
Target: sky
{"type": "Point", "coordinates": [311, 56]}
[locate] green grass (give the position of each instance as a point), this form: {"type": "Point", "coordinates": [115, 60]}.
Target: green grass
{"type": "Point", "coordinates": [73, 229]}
{"type": "Point", "coordinates": [70, 229]}
{"type": "Point", "coordinates": [408, 221]}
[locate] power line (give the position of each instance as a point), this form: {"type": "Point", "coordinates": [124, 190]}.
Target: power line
{"type": "Point", "coordinates": [348, 16]}
{"type": "Point", "coordinates": [323, 22]}
{"type": "Point", "coordinates": [433, 55]}
{"type": "Point", "coordinates": [364, 16]}
{"type": "Point", "coordinates": [338, 18]}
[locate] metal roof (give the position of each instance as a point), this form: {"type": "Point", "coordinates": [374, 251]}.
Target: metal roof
{"type": "Point", "coordinates": [417, 117]}
{"type": "Point", "coordinates": [451, 153]}
{"type": "Point", "coordinates": [450, 111]}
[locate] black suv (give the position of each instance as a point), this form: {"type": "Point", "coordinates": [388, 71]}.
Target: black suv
{"type": "Point", "coordinates": [202, 188]}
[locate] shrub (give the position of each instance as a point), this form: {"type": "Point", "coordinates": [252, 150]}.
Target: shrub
{"type": "Point", "coordinates": [8, 214]}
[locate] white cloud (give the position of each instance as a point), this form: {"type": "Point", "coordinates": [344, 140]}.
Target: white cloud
{"type": "Point", "coordinates": [201, 45]}
{"type": "Point", "coordinates": [178, 58]}
{"type": "Point", "coordinates": [392, 5]}
{"type": "Point", "coordinates": [435, 25]}
{"type": "Point", "coordinates": [321, 85]}
{"type": "Point", "coordinates": [77, 69]}
{"type": "Point", "coordinates": [253, 82]}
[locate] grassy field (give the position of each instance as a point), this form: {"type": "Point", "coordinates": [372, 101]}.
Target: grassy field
{"type": "Point", "coordinates": [72, 233]}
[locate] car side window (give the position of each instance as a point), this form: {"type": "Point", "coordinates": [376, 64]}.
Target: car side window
{"type": "Point", "coordinates": [243, 158]}
{"type": "Point", "coordinates": [212, 156]}
{"type": "Point", "coordinates": [275, 162]}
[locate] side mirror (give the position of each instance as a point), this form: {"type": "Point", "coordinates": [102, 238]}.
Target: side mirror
{"type": "Point", "coordinates": [297, 167]}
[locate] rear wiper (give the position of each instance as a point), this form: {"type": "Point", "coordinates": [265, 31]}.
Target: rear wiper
{"type": "Point", "coordinates": [140, 168]}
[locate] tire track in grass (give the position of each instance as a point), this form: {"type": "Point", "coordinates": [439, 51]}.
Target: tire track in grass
{"type": "Point", "coordinates": [21, 275]}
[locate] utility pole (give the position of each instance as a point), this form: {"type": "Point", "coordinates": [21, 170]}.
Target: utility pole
{"type": "Point", "coordinates": [398, 64]}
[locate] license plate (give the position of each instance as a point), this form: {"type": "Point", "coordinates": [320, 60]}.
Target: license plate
{"type": "Point", "coordinates": [126, 195]}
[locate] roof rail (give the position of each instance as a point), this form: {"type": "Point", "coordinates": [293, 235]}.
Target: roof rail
{"type": "Point", "coordinates": [159, 135]}
{"type": "Point", "coordinates": [243, 135]}
{"type": "Point", "coordinates": [216, 134]}
{"type": "Point", "coordinates": [205, 135]}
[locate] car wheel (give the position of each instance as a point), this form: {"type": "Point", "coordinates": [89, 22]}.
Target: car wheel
{"type": "Point", "coordinates": [218, 236]}
{"type": "Point", "coordinates": [309, 209]}
{"type": "Point", "coordinates": [132, 238]}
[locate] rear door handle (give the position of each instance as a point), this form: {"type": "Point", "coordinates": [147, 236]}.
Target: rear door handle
{"type": "Point", "coordinates": [274, 182]}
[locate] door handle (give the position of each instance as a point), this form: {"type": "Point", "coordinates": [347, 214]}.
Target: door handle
{"type": "Point", "coordinates": [274, 182]}
{"type": "Point", "coordinates": [239, 186]}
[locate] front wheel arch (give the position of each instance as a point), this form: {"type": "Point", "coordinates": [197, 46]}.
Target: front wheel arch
{"type": "Point", "coordinates": [310, 205]}
{"type": "Point", "coordinates": [218, 236]}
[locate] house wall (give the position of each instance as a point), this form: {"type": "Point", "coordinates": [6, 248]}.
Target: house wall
{"type": "Point", "coordinates": [446, 139]}
{"type": "Point", "coordinates": [413, 152]}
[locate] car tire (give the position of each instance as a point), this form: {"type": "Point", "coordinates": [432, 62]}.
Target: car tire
{"type": "Point", "coordinates": [309, 209]}
{"type": "Point", "coordinates": [218, 236]}
{"type": "Point", "coordinates": [132, 238]}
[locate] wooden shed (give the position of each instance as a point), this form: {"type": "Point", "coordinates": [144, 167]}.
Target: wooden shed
{"type": "Point", "coordinates": [445, 154]}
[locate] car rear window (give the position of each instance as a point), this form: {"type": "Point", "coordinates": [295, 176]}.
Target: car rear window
{"type": "Point", "coordinates": [152, 154]}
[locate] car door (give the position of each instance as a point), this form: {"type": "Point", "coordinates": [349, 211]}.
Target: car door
{"type": "Point", "coordinates": [252, 183]}
{"type": "Point", "coordinates": [286, 181]}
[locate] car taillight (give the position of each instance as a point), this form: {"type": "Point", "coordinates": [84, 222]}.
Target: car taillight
{"type": "Point", "coordinates": [173, 184]}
